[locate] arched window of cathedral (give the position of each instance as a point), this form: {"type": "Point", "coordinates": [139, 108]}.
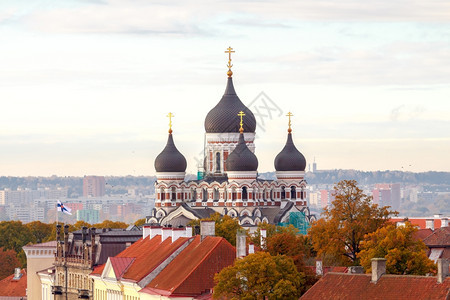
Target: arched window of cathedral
{"type": "Point", "coordinates": [271, 194]}
{"type": "Point", "coordinates": [174, 194]}
{"type": "Point", "coordinates": [218, 162]}
{"type": "Point", "coordinates": [194, 194]}
{"type": "Point", "coordinates": [163, 194]}
{"type": "Point", "coordinates": [205, 195]}
{"type": "Point", "coordinates": [264, 194]}
{"type": "Point", "coordinates": [216, 194]}
{"type": "Point", "coordinates": [244, 193]}
{"type": "Point", "coordinates": [283, 193]}
{"type": "Point", "coordinates": [293, 192]}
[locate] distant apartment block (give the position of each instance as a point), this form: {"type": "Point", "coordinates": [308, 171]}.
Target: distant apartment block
{"type": "Point", "coordinates": [387, 194]}
{"type": "Point", "coordinates": [94, 186]}
{"type": "Point", "coordinates": [90, 216]}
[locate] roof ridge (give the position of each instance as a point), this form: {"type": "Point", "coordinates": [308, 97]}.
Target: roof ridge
{"type": "Point", "coordinates": [219, 240]}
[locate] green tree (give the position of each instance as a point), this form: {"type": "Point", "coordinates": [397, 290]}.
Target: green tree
{"type": "Point", "coordinates": [338, 235]}
{"type": "Point", "coordinates": [9, 262]}
{"type": "Point", "coordinates": [259, 276]}
{"type": "Point", "coordinates": [404, 254]}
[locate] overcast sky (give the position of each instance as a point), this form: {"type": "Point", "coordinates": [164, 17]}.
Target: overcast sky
{"type": "Point", "coordinates": [85, 86]}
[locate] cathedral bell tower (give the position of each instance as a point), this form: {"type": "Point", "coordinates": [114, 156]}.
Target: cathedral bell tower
{"type": "Point", "coordinates": [222, 129]}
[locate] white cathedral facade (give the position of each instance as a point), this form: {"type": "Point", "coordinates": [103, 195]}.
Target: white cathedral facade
{"type": "Point", "coordinates": [230, 185]}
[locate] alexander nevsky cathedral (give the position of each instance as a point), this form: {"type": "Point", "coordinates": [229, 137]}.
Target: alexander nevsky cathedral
{"type": "Point", "coordinates": [229, 183]}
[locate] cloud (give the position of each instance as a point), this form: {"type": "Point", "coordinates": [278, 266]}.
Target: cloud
{"type": "Point", "coordinates": [197, 17]}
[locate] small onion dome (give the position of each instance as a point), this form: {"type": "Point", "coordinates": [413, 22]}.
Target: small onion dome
{"type": "Point", "coordinates": [242, 159]}
{"type": "Point", "coordinates": [170, 159]}
{"type": "Point", "coordinates": [290, 159]}
{"type": "Point", "coordinates": [223, 117]}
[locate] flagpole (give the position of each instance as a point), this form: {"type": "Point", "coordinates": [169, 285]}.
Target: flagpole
{"type": "Point", "coordinates": [56, 219]}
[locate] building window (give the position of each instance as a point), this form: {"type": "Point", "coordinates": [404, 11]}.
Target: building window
{"type": "Point", "coordinates": [293, 192]}
{"type": "Point", "coordinates": [283, 193]}
{"type": "Point", "coordinates": [218, 168]}
{"type": "Point", "coordinates": [244, 193]}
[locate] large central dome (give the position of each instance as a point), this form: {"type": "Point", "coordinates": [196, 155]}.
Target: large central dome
{"type": "Point", "coordinates": [224, 116]}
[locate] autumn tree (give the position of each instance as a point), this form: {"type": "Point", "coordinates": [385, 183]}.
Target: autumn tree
{"type": "Point", "coordinates": [337, 236]}
{"type": "Point", "coordinates": [40, 231]}
{"type": "Point", "coordinates": [9, 262]}
{"type": "Point", "coordinates": [271, 229]}
{"type": "Point", "coordinates": [404, 254]}
{"type": "Point", "coordinates": [140, 222]}
{"type": "Point", "coordinates": [298, 248]}
{"type": "Point", "coordinates": [111, 224]}
{"type": "Point", "coordinates": [259, 276]}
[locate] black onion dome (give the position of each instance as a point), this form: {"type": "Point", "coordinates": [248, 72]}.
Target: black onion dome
{"type": "Point", "coordinates": [170, 159]}
{"type": "Point", "coordinates": [224, 116]}
{"type": "Point", "coordinates": [242, 159]}
{"type": "Point", "coordinates": [290, 159]}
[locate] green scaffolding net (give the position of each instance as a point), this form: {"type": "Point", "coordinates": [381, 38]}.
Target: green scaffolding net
{"type": "Point", "coordinates": [298, 219]}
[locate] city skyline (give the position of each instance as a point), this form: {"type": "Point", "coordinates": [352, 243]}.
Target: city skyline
{"type": "Point", "coordinates": [86, 85]}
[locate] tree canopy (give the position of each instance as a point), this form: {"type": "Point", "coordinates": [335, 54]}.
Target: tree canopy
{"type": "Point", "coordinates": [337, 236]}
{"type": "Point", "coordinates": [259, 276]}
{"type": "Point", "coordinates": [225, 226]}
{"type": "Point", "coordinates": [405, 255]}
{"type": "Point", "coordinates": [9, 262]}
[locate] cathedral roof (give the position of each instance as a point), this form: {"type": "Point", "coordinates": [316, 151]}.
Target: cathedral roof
{"type": "Point", "coordinates": [223, 117]}
{"type": "Point", "coordinates": [170, 159]}
{"type": "Point", "coordinates": [290, 159]}
{"type": "Point", "coordinates": [242, 159]}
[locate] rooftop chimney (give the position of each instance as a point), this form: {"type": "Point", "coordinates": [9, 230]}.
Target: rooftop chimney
{"type": "Point", "coordinates": [17, 274]}
{"type": "Point", "coordinates": [251, 248]}
{"type": "Point", "coordinates": [378, 268]}
{"type": "Point", "coordinates": [241, 247]}
{"type": "Point", "coordinates": [442, 272]}
{"type": "Point", "coordinates": [145, 231]}
{"type": "Point", "coordinates": [319, 268]}
{"type": "Point", "coordinates": [444, 222]}
{"type": "Point", "coordinates": [188, 231]}
{"type": "Point", "coordinates": [155, 230]}
{"type": "Point", "coordinates": [83, 234]}
{"type": "Point", "coordinates": [166, 232]}
{"type": "Point", "coordinates": [430, 224]}
{"type": "Point", "coordinates": [177, 233]}
{"type": "Point", "coordinates": [207, 228]}
{"type": "Point", "coordinates": [263, 233]}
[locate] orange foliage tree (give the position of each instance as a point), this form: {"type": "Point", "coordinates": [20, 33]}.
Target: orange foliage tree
{"type": "Point", "coordinates": [9, 262]}
{"type": "Point", "coordinates": [338, 235]}
{"type": "Point", "coordinates": [404, 254]}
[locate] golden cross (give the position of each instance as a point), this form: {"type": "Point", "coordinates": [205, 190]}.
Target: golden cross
{"type": "Point", "coordinates": [170, 116]}
{"type": "Point", "coordinates": [289, 115]}
{"type": "Point", "coordinates": [229, 51]}
{"type": "Point", "coordinates": [241, 114]}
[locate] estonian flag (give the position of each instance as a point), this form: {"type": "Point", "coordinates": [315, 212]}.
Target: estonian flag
{"type": "Point", "coordinates": [64, 209]}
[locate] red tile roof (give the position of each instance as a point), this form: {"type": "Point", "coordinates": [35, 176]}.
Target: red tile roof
{"type": "Point", "coordinates": [192, 272]}
{"type": "Point", "coordinates": [120, 265]}
{"type": "Point", "coordinates": [396, 287]}
{"type": "Point", "coordinates": [98, 270]}
{"type": "Point", "coordinates": [148, 254]}
{"type": "Point", "coordinates": [421, 234]}
{"type": "Point", "coordinates": [439, 238]}
{"type": "Point", "coordinates": [11, 287]}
